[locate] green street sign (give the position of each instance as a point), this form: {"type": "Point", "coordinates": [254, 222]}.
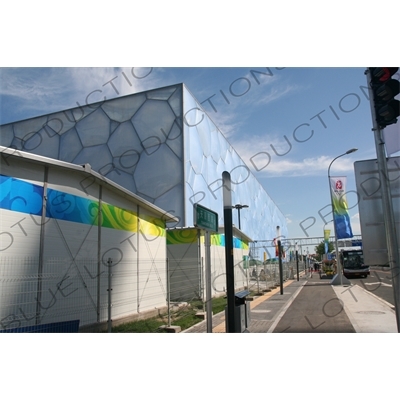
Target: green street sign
{"type": "Point", "coordinates": [205, 218]}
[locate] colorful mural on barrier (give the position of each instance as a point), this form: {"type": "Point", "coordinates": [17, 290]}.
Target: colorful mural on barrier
{"type": "Point", "coordinates": [14, 196]}
{"type": "Point", "coordinates": [68, 207]}
{"type": "Point", "coordinates": [182, 236]}
{"type": "Point", "coordinates": [26, 197]}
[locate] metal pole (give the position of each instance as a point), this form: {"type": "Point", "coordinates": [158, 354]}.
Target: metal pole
{"type": "Point", "coordinates": [297, 262]}
{"type": "Point", "coordinates": [203, 280]}
{"type": "Point", "coordinates": [41, 246]}
{"type": "Point", "coordinates": [338, 271]}
{"type": "Point", "coordinates": [99, 261]}
{"type": "Point", "coordinates": [200, 263]}
{"type": "Point", "coordinates": [109, 263]}
{"type": "Point", "coordinates": [238, 208]}
{"type": "Point", "coordinates": [278, 229]}
{"type": "Point", "coordinates": [338, 263]}
{"type": "Point", "coordinates": [168, 294]}
{"type": "Point", "coordinates": [280, 267]}
{"type": "Point", "coordinates": [230, 277]}
{"type": "Point", "coordinates": [138, 261]}
{"type": "Point", "coordinates": [246, 266]}
{"type": "Point", "coordinates": [208, 282]}
{"type": "Point", "coordinates": [387, 206]}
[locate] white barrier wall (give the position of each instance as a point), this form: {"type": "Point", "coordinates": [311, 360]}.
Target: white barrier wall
{"type": "Point", "coordinates": [186, 255]}
{"type": "Point", "coordinates": [61, 225]}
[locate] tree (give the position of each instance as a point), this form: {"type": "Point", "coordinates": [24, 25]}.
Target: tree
{"type": "Point", "coordinates": [320, 249]}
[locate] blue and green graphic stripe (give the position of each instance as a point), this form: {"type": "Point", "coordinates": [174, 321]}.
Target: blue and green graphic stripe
{"type": "Point", "coordinates": [26, 197]}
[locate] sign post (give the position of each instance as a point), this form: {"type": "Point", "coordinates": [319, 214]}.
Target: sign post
{"type": "Point", "coordinates": [207, 219]}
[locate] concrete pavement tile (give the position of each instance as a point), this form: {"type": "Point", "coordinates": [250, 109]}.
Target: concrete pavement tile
{"type": "Point", "coordinates": [367, 312]}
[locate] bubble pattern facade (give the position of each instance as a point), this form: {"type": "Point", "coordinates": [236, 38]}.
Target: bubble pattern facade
{"type": "Point", "coordinates": [159, 144]}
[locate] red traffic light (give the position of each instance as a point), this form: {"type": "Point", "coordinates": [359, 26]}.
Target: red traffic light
{"type": "Point", "coordinates": [384, 73]}
{"type": "Point", "coordinates": [385, 89]}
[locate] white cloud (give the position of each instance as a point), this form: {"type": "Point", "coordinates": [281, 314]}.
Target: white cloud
{"type": "Point", "coordinates": [272, 156]}
{"type": "Point", "coordinates": [110, 82]}
{"type": "Point", "coordinates": [258, 91]}
{"type": "Point", "coordinates": [307, 166]}
{"type": "Point", "coordinates": [44, 89]}
{"type": "Point", "coordinates": [288, 220]}
{"type": "Point", "coordinates": [276, 93]}
{"type": "Point", "coordinates": [265, 162]}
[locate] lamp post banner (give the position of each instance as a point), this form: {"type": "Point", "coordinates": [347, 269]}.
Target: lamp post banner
{"type": "Point", "coordinates": [341, 216]}
{"type": "Point", "coordinates": [327, 233]}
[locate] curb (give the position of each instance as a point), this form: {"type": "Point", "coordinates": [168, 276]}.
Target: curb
{"type": "Point", "coordinates": [386, 303]}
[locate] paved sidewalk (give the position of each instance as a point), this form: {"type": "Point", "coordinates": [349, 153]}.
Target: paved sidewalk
{"type": "Point", "coordinates": [316, 309]}
{"type": "Point", "coordinates": [312, 305]}
{"type": "Point", "coordinates": [367, 312]}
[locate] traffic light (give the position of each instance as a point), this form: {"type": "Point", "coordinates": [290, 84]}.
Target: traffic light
{"type": "Point", "coordinates": [385, 89]}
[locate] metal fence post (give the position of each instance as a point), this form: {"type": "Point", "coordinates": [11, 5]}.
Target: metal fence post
{"type": "Point", "coordinates": [168, 295]}
{"type": "Point", "coordinates": [280, 266]}
{"type": "Point", "coordinates": [203, 294]}
{"type": "Point", "coordinates": [109, 263]}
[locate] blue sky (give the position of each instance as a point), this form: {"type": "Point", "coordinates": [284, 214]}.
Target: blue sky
{"type": "Point", "coordinates": [287, 124]}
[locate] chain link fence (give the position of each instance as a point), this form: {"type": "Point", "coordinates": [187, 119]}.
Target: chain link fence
{"type": "Point", "coordinates": [110, 291]}
{"type": "Point", "coordinates": [82, 289]}
{"type": "Point", "coordinates": [264, 276]}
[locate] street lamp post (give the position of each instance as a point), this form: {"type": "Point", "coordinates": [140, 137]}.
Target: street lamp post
{"type": "Point", "coordinates": [297, 261]}
{"type": "Point", "coordinates": [278, 235]}
{"type": "Point", "coordinates": [239, 207]}
{"type": "Point", "coordinates": [338, 263]}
